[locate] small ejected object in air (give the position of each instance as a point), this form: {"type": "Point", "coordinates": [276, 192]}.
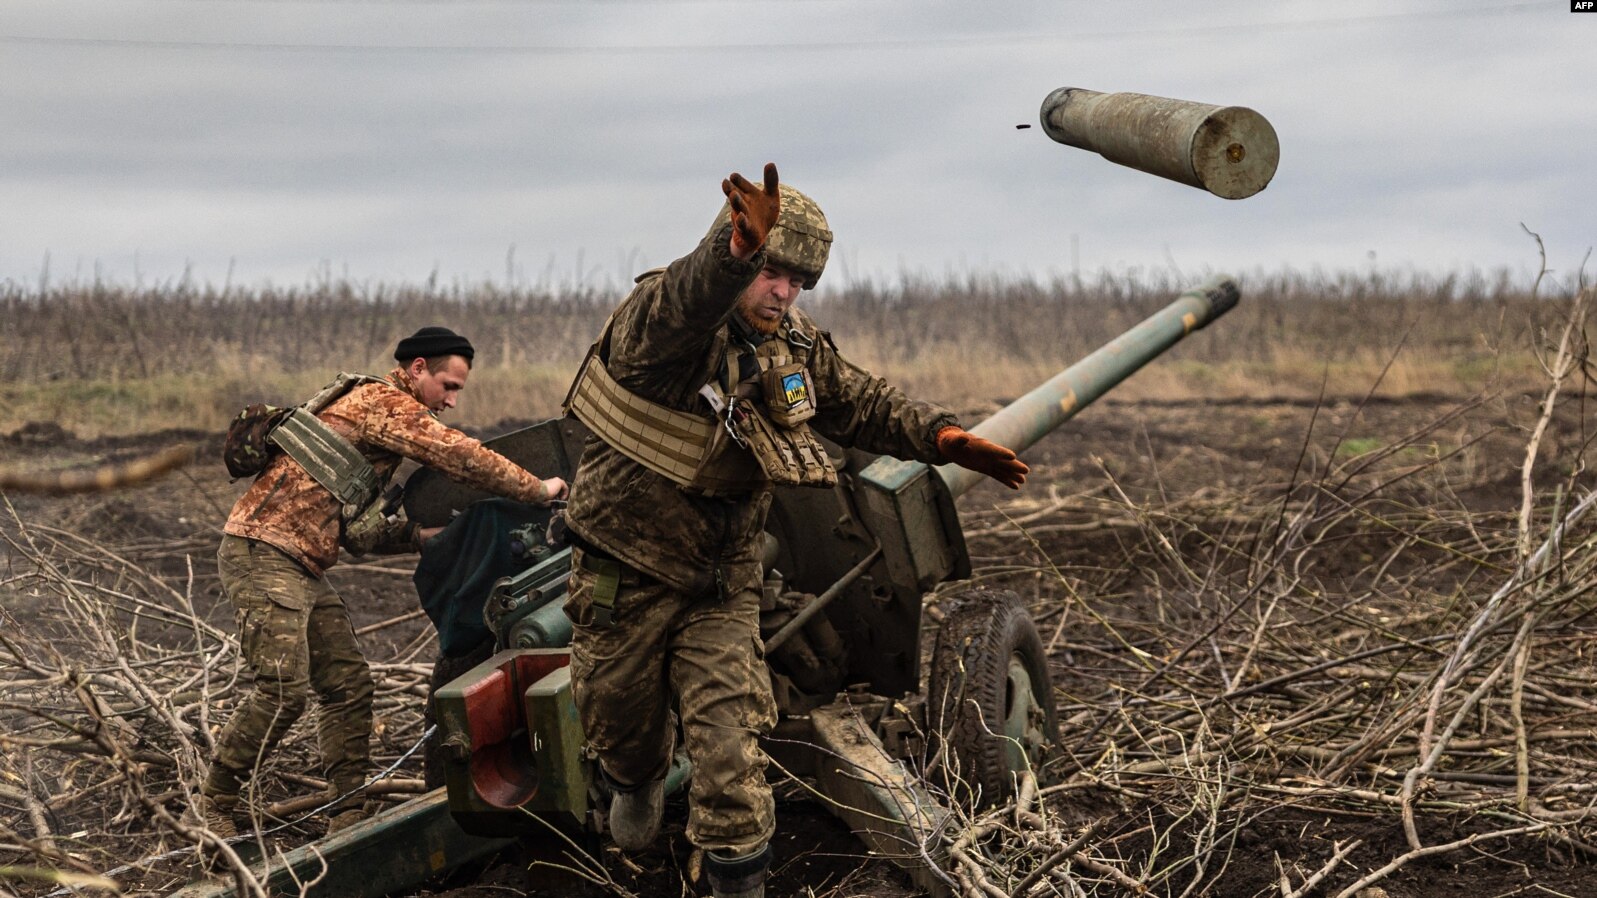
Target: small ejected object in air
{"type": "Point", "coordinates": [1230, 151]}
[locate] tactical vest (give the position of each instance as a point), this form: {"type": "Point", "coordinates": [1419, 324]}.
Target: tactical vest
{"type": "Point", "coordinates": [756, 435]}
{"type": "Point", "coordinates": [331, 460]}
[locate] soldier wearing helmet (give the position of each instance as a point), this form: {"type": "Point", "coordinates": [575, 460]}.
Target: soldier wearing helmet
{"type": "Point", "coordinates": [707, 387]}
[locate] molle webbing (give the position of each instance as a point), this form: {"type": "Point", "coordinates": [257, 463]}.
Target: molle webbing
{"type": "Point", "coordinates": [668, 442]}
{"type": "Point", "coordinates": [664, 440]}
{"type": "Point", "coordinates": [332, 461]}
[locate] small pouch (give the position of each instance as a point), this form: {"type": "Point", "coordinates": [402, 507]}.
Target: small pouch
{"type": "Point", "coordinates": [609, 576]}
{"type": "Point", "coordinates": [248, 447]}
{"type": "Point", "coordinates": [789, 394]}
{"type": "Point", "coordinates": [790, 456]}
{"type": "Point", "coordinates": [606, 587]}
{"type": "Point", "coordinates": [362, 532]}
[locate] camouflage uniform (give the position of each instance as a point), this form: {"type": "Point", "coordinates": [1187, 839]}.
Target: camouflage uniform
{"type": "Point", "coordinates": [294, 631]}
{"type": "Point", "coordinates": [289, 509]}
{"type": "Point", "coordinates": [295, 634]}
{"type": "Point", "coordinates": [686, 619]}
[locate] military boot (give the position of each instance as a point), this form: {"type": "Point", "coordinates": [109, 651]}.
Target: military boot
{"type": "Point", "coordinates": [635, 813]}
{"type": "Point", "coordinates": [346, 818]}
{"type": "Point", "coordinates": [738, 876]}
{"type": "Point", "coordinates": [219, 805]}
{"type": "Point", "coordinates": [216, 814]}
{"type": "Point", "coordinates": [350, 807]}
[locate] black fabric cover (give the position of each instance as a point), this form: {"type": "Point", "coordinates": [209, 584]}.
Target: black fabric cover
{"type": "Point", "coordinates": [459, 566]}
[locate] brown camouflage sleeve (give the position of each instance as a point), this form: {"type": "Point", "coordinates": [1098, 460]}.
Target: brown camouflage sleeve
{"type": "Point", "coordinates": [678, 314]}
{"type": "Point", "coordinates": [856, 408]}
{"type": "Point", "coordinates": [400, 424]}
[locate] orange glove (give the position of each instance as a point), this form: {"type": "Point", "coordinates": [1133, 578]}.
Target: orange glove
{"type": "Point", "coordinates": [982, 456]}
{"type": "Point", "coordinates": [754, 210]}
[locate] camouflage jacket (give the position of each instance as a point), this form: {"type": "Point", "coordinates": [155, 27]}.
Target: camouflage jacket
{"type": "Point", "coordinates": [288, 509]}
{"type": "Point", "coordinates": [668, 339]}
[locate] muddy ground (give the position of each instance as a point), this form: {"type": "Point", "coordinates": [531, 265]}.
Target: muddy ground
{"type": "Point", "coordinates": [1073, 529]}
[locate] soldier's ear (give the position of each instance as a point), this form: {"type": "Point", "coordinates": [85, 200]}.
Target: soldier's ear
{"type": "Point", "coordinates": [417, 366]}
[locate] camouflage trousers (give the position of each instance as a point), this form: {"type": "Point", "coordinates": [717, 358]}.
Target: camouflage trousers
{"type": "Point", "coordinates": [295, 635]}
{"type": "Point", "coordinates": [704, 655]}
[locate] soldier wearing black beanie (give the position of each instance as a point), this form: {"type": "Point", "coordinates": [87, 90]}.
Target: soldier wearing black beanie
{"type": "Point", "coordinates": [286, 531]}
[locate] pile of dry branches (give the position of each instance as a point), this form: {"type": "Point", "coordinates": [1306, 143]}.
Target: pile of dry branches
{"type": "Point", "coordinates": [1360, 641]}
{"type": "Point", "coordinates": [111, 686]}
{"type": "Point", "coordinates": [1357, 644]}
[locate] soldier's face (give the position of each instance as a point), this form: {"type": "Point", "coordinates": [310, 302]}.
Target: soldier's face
{"type": "Point", "coordinates": [439, 390]}
{"type": "Point", "coordinates": [768, 298]}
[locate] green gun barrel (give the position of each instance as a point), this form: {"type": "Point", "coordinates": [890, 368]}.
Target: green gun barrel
{"type": "Point", "coordinates": [1034, 415]}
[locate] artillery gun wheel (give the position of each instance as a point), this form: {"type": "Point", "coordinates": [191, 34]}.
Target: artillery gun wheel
{"type": "Point", "coordinates": [989, 699]}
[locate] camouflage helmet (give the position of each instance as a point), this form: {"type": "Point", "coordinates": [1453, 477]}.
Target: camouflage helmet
{"type": "Point", "coordinates": [800, 240]}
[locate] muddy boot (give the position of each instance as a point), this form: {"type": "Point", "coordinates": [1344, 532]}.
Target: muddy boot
{"type": "Point", "coordinates": [351, 807]}
{"type": "Point", "coordinates": [635, 813]}
{"type": "Point", "coordinates": [738, 876]}
{"type": "Point", "coordinates": [345, 819]}
{"type": "Point", "coordinates": [349, 804]}
{"type": "Point", "coordinates": [216, 814]}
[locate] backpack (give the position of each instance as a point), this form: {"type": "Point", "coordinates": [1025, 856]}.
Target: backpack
{"type": "Point", "coordinates": [254, 438]}
{"type": "Point", "coordinates": [247, 447]}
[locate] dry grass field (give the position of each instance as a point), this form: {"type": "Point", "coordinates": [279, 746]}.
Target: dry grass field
{"type": "Point", "coordinates": [100, 360]}
{"type": "Point", "coordinates": [1317, 586]}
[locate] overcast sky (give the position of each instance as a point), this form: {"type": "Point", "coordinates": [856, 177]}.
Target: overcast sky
{"type": "Point", "coordinates": [556, 141]}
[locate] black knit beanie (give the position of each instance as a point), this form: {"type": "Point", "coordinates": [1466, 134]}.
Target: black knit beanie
{"type": "Point", "coordinates": [433, 341]}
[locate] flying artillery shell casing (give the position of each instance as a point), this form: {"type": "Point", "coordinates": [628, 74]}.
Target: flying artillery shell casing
{"type": "Point", "coordinates": [1230, 151]}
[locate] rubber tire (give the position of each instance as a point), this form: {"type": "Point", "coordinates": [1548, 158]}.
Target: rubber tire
{"type": "Point", "coordinates": [968, 700]}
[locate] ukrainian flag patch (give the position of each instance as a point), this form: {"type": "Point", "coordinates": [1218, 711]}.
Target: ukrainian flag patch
{"type": "Point", "coordinates": [794, 390]}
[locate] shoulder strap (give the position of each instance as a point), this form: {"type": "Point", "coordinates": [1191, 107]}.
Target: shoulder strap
{"type": "Point", "coordinates": [324, 453]}
{"type": "Point", "coordinates": [329, 458]}
{"type": "Point", "coordinates": [340, 385]}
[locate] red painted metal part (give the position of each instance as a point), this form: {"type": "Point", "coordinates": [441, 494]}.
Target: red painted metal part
{"type": "Point", "coordinates": [502, 771]}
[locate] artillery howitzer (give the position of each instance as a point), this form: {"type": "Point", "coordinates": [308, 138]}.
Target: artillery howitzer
{"type": "Point", "coordinates": [846, 572]}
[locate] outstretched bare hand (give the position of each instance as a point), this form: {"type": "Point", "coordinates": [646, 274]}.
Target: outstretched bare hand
{"type": "Point", "coordinates": [754, 210]}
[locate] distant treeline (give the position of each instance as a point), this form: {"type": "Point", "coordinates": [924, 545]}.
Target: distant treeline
{"type": "Point", "coordinates": [99, 331]}
{"type": "Point", "coordinates": [108, 358]}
